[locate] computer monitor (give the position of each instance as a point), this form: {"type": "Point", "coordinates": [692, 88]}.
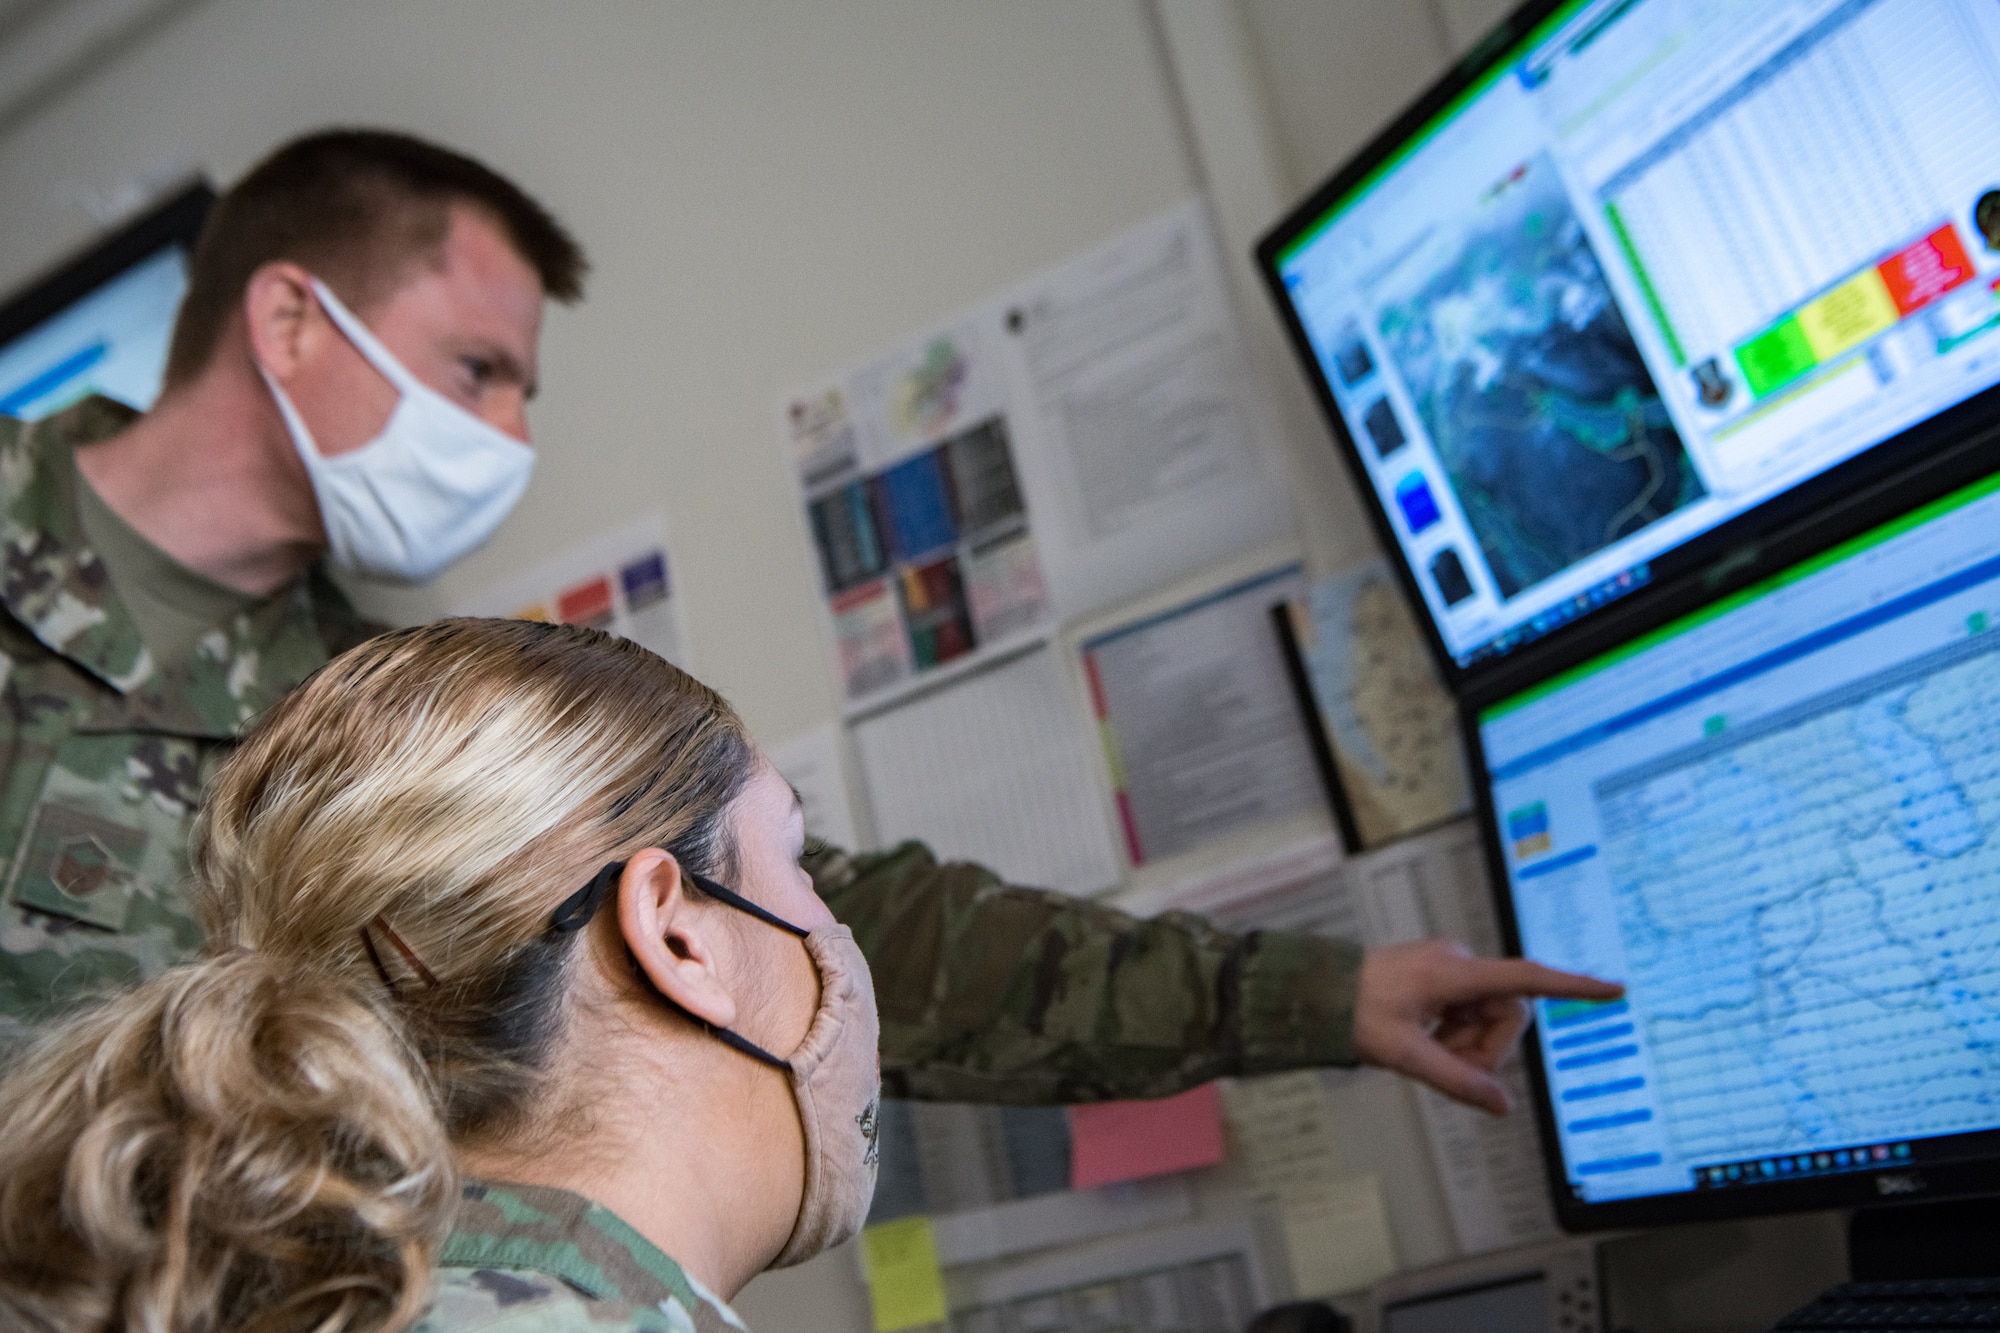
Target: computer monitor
{"type": "Point", "coordinates": [1776, 819]}
{"type": "Point", "coordinates": [1640, 278]}
{"type": "Point", "coordinates": [100, 323]}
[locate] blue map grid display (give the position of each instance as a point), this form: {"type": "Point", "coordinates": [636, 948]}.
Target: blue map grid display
{"type": "Point", "coordinates": [1811, 913]}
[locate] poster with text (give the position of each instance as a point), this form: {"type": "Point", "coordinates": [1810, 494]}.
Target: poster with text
{"type": "Point", "coordinates": [1061, 447]}
{"type": "Point", "coordinates": [620, 582]}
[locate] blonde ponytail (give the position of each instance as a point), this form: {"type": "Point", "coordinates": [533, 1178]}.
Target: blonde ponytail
{"type": "Point", "coordinates": [250, 1147]}
{"type": "Point", "coordinates": [262, 1140]}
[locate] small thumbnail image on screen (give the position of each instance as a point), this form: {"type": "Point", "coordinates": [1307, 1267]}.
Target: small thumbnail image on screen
{"type": "Point", "coordinates": [1350, 356]}
{"type": "Point", "coordinates": [1448, 573]}
{"type": "Point", "coordinates": [1986, 218]}
{"type": "Point", "coordinates": [1384, 431]}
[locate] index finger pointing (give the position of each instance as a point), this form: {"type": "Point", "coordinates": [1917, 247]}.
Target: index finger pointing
{"type": "Point", "coordinates": [1522, 978]}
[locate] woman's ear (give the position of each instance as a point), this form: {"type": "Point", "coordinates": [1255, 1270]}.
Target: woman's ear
{"type": "Point", "coordinates": [675, 945]}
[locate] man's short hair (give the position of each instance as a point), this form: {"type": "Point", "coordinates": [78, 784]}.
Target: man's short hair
{"type": "Point", "coordinates": [359, 208]}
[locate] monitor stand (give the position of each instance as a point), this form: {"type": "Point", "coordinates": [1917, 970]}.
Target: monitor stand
{"type": "Point", "coordinates": [1959, 1238]}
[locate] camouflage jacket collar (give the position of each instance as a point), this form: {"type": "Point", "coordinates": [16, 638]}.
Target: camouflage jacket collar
{"type": "Point", "coordinates": [57, 587]}
{"type": "Point", "coordinates": [502, 1225]}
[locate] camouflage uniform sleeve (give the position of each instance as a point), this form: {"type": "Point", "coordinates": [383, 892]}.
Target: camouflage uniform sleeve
{"type": "Point", "coordinates": [990, 993]}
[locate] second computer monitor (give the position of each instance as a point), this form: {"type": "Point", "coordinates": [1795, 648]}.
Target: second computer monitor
{"type": "Point", "coordinates": [1777, 820]}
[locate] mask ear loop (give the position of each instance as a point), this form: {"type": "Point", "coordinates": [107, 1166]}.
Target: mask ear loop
{"type": "Point", "coordinates": [742, 904]}
{"type": "Point", "coordinates": [365, 342]}
{"type": "Point", "coordinates": [576, 911]}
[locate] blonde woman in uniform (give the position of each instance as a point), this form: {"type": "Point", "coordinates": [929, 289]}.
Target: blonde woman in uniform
{"type": "Point", "coordinates": [516, 1012]}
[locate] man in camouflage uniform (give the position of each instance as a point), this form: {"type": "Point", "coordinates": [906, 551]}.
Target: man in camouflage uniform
{"type": "Point", "coordinates": [147, 620]}
{"type": "Point", "coordinates": [107, 747]}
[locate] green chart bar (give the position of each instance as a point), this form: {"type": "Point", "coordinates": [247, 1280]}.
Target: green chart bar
{"type": "Point", "coordinates": [1653, 302]}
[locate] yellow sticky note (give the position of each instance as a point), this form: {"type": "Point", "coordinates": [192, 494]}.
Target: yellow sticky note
{"type": "Point", "coordinates": [905, 1284]}
{"type": "Point", "coordinates": [1337, 1236]}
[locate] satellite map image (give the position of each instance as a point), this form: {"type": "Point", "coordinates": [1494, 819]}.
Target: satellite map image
{"type": "Point", "coordinates": [1528, 380]}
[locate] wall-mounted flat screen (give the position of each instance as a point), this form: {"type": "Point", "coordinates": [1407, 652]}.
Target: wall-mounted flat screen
{"type": "Point", "coordinates": [101, 323]}
{"type": "Point", "coordinates": [1637, 269]}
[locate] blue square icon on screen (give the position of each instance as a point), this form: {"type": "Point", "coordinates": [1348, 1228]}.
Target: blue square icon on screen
{"type": "Point", "coordinates": [1420, 508]}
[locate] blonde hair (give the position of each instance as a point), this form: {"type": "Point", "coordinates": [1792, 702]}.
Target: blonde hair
{"type": "Point", "coordinates": [261, 1140]}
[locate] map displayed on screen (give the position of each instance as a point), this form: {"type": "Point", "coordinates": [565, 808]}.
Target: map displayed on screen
{"type": "Point", "coordinates": [1811, 909]}
{"type": "Point", "coordinates": [1775, 821]}
{"type": "Point", "coordinates": [1538, 404]}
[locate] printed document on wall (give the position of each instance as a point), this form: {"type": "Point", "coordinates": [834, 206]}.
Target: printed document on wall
{"type": "Point", "coordinates": [926, 550]}
{"type": "Point", "coordinates": [1200, 724]}
{"type": "Point", "coordinates": [620, 582]}
{"type": "Point", "coordinates": [1049, 452]}
{"type": "Point", "coordinates": [1391, 727]}
{"type": "Point", "coordinates": [1335, 1225]}
{"type": "Point", "coordinates": [1432, 885]}
{"type": "Point", "coordinates": [1156, 461]}
{"type": "Point", "coordinates": [994, 769]}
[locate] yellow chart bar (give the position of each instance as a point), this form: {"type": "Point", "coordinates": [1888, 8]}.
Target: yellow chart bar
{"type": "Point", "coordinates": [1849, 315]}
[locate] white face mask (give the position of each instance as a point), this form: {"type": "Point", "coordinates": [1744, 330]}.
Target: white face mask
{"type": "Point", "coordinates": [430, 487]}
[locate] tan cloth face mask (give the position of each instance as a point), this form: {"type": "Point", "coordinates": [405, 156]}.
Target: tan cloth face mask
{"type": "Point", "coordinates": [836, 1072]}
{"type": "Point", "coordinates": [837, 1082]}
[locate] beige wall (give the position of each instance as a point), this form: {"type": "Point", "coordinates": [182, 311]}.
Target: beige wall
{"type": "Point", "coordinates": [1335, 73]}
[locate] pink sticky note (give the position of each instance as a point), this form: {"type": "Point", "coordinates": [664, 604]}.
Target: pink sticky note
{"type": "Point", "coordinates": [1114, 1141]}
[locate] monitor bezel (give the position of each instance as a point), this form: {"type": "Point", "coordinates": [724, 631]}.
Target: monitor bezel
{"type": "Point", "coordinates": [175, 220]}
{"type": "Point", "coordinates": [1728, 544]}
{"type": "Point", "coordinates": [1921, 1179]}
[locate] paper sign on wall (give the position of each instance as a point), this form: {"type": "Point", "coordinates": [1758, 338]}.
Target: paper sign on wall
{"type": "Point", "coordinates": [1115, 1141]}
{"type": "Point", "coordinates": [1022, 795]}
{"type": "Point", "coordinates": [905, 1283]}
{"type": "Point", "coordinates": [1055, 449]}
{"type": "Point", "coordinates": [918, 520]}
{"type": "Point", "coordinates": [620, 582]}
{"type": "Point", "coordinates": [1336, 1228]}
{"type": "Point", "coordinates": [1492, 1169]}
{"type": "Point", "coordinates": [1248, 761]}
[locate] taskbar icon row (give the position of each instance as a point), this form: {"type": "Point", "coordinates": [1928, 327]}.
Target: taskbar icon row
{"type": "Point", "coordinates": [1787, 1166]}
{"type": "Point", "coordinates": [1555, 617]}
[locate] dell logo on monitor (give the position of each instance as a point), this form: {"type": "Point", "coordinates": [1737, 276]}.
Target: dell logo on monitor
{"type": "Point", "coordinates": [1900, 1182]}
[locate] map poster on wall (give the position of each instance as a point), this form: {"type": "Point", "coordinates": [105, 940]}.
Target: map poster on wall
{"type": "Point", "coordinates": [619, 582]}
{"type": "Point", "coordinates": [1056, 449]}
{"type": "Point", "coordinates": [1398, 762]}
